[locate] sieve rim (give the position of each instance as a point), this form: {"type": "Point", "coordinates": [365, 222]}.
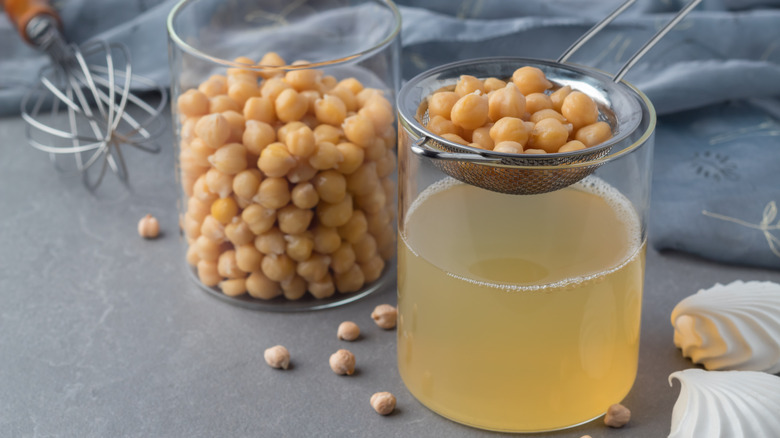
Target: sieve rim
{"type": "Point", "coordinates": [413, 126]}
{"type": "Point", "coordinates": [184, 46]}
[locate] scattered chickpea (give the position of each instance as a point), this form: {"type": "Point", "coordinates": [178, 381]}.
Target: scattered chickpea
{"type": "Point", "coordinates": [617, 416]}
{"type": "Point", "coordinates": [148, 227]}
{"type": "Point", "coordinates": [342, 362]}
{"type": "Point", "coordinates": [384, 315]}
{"type": "Point", "coordinates": [277, 357]}
{"type": "Point", "coordinates": [383, 403]}
{"type": "Point", "coordinates": [348, 331]}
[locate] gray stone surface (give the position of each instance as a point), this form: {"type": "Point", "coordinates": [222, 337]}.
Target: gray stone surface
{"type": "Point", "coordinates": [102, 334]}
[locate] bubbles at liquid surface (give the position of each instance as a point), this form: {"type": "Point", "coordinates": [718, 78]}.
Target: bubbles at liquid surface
{"type": "Point", "coordinates": [621, 205]}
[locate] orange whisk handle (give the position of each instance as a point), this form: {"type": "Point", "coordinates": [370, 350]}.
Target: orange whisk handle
{"type": "Point", "coordinates": [20, 12]}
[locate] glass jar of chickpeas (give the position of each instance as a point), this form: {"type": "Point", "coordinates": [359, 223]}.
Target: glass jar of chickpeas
{"type": "Point", "coordinates": [521, 251]}
{"type": "Point", "coordinates": [286, 147]}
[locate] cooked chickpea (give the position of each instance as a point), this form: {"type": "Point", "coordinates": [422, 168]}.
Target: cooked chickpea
{"type": "Point", "coordinates": [330, 109]}
{"type": "Point", "coordinates": [282, 132]}
{"type": "Point", "coordinates": [208, 249]}
{"type": "Point", "coordinates": [213, 229]}
{"type": "Point", "coordinates": [207, 273]}
{"type": "Point", "coordinates": [346, 96]}
{"type": "Point", "coordinates": [331, 186]}
{"type": "Point", "coordinates": [233, 287]}
{"type": "Point", "coordinates": [559, 96]}
{"type": "Point", "coordinates": [470, 111]}
{"type": "Point", "coordinates": [313, 269]}
{"type": "Point", "coordinates": [441, 103]}
{"type": "Point", "coordinates": [248, 258]}
{"type": "Point", "coordinates": [304, 79]}
{"type": "Point", "coordinates": [363, 180]}
{"type": "Point", "coordinates": [548, 134]}
{"type": "Point", "coordinates": [327, 133]}
{"type": "Point", "coordinates": [300, 142]}
{"type": "Point", "coordinates": [326, 156]}
{"type": "Point", "coordinates": [273, 193]}
{"type": "Point", "coordinates": [594, 134]}
{"type": "Point", "coordinates": [290, 105]}
{"type": "Point", "coordinates": [326, 239]}
{"type": "Point", "coordinates": [191, 226]}
{"type": "Point", "coordinates": [213, 129]}
{"type": "Point", "coordinates": [193, 103]}
{"type": "Point", "coordinates": [262, 287]}
{"type": "Point", "coordinates": [238, 233]}
{"type": "Point", "coordinates": [227, 265]}
{"type": "Point", "coordinates": [536, 102]}
{"type": "Point", "coordinates": [385, 316]}
{"type": "Point", "coordinates": [200, 190]}
{"type": "Point", "coordinates": [229, 159]}
{"type": "Point", "coordinates": [617, 416]}
{"type": "Point", "coordinates": [294, 220]}
{"type": "Point", "coordinates": [506, 102]}
{"type": "Point", "coordinates": [335, 214]}
{"type": "Point", "coordinates": [372, 202]}
{"type": "Point", "coordinates": [260, 109]}
{"type": "Point", "coordinates": [574, 145]}
{"type": "Point", "coordinates": [271, 242]}
{"type": "Point", "coordinates": [224, 210]}
{"type": "Point", "coordinates": [246, 182]}
{"type": "Point", "coordinates": [379, 111]}
{"type": "Point", "coordinates": [221, 103]}
{"type": "Point", "coordinates": [342, 259]}
{"type": "Point", "coordinates": [350, 280]}
{"type": "Point", "coordinates": [383, 403]}
{"type": "Point", "coordinates": [547, 113]}
{"type": "Point", "coordinates": [359, 130]}
{"type": "Point", "coordinates": [530, 80]}
{"type": "Point", "coordinates": [454, 138]}
{"type": "Point", "coordinates": [377, 222]}
{"type": "Point", "coordinates": [365, 248]}
{"type": "Point", "coordinates": [199, 152]}
{"type": "Point", "coordinates": [352, 158]}
{"type": "Point", "coordinates": [213, 87]}
{"type": "Point", "coordinates": [481, 136]}
{"type": "Point", "coordinates": [275, 160]}
{"type": "Point", "coordinates": [328, 83]}
{"type": "Point", "coordinates": [197, 208]}
{"type": "Point", "coordinates": [348, 331]}
{"type": "Point", "coordinates": [259, 219]}
{"type": "Point", "coordinates": [273, 87]}
{"type": "Point", "coordinates": [579, 109]}
{"type": "Point", "coordinates": [493, 84]}
{"type": "Point", "coordinates": [467, 85]}
{"type": "Point", "coordinates": [219, 182]}
{"type": "Point", "coordinates": [387, 252]}
{"type": "Point", "coordinates": [299, 246]}
{"type": "Point", "coordinates": [257, 135]}
{"type": "Point", "coordinates": [372, 269]}
{"type": "Point", "coordinates": [322, 287]}
{"type": "Point", "coordinates": [386, 165]}
{"type": "Point", "coordinates": [148, 227]}
{"type": "Point", "coordinates": [534, 151]}
{"type": "Point", "coordinates": [440, 126]}
{"type": "Point", "coordinates": [304, 195]}
{"type": "Point", "coordinates": [302, 172]}
{"type": "Point", "coordinates": [241, 91]}
{"type": "Point", "coordinates": [278, 267]}
{"type": "Point", "coordinates": [294, 288]}
{"type": "Point", "coordinates": [270, 60]}
{"type": "Point", "coordinates": [355, 228]}
{"type": "Point", "coordinates": [509, 129]}
{"type": "Point", "coordinates": [509, 147]}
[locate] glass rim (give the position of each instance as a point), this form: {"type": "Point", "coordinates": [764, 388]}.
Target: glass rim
{"type": "Point", "coordinates": [413, 126]}
{"type": "Point", "coordinates": [174, 36]}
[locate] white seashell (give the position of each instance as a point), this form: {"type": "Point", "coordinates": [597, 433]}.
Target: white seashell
{"type": "Point", "coordinates": [731, 327]}
{"type": "Point", "coordinates": [728, 404]}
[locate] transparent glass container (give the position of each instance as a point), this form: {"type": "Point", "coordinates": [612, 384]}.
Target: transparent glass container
{"type": "Point", "coordinates": [521, 312]}
{"type": "Point", "coordinates": [286, 147]}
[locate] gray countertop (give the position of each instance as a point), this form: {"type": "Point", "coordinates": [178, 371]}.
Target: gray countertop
{"type": "Point", "coordinates": [104, 335]}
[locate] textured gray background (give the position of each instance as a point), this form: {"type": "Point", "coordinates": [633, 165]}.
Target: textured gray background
{"type": "Point", "coordinates": [102, 334]}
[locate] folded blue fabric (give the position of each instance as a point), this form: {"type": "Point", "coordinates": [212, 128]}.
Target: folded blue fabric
{"type": "Point", "coordinates": [715, 81]}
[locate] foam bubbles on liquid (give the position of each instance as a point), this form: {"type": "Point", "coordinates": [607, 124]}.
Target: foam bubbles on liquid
{"type": "Point", "coordinates": [621, 205]}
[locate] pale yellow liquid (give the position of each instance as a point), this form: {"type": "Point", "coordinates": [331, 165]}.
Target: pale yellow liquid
{"type": "Point", "coordinates": [520, 313]}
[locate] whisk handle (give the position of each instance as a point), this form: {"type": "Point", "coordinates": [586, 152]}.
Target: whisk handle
{"type": "Point", "coordinates": [20, 12]}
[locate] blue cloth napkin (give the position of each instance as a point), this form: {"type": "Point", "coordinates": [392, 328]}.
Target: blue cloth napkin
{"type": "Point", "coordinates": [714, 80]}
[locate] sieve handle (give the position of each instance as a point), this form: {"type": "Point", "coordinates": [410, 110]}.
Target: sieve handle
{"type": "Point", "coordinates": [420, 148]}
{"type": "Point", "coordinates": [641, 52]}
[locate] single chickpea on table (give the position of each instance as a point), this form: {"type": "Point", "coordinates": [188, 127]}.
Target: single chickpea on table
{"type": "Point", "coordinates": [288, 181]}
{"type": "Point", "coordinates": [523, 115]}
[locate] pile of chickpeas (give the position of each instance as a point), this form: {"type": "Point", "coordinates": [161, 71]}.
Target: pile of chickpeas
{"type": "Point", "coordinates": [288, 181]}
{"type": "Point", "coordinates": [521, 116]}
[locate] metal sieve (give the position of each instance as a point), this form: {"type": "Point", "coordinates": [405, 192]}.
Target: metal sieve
{"type": "Point", "coordinates": [619, 104]}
